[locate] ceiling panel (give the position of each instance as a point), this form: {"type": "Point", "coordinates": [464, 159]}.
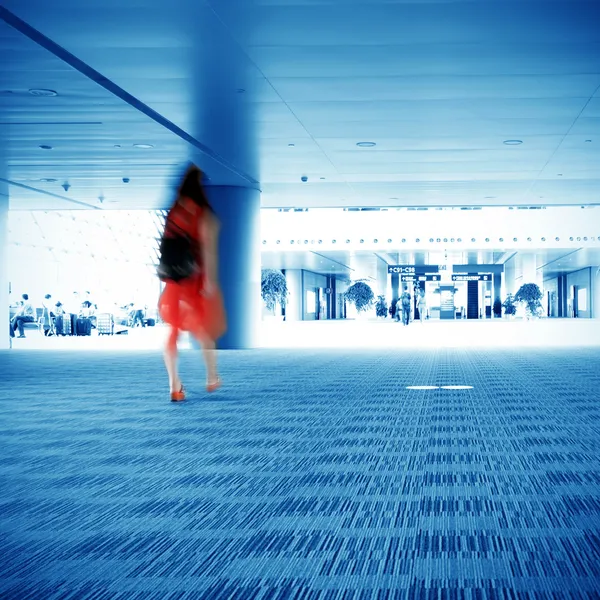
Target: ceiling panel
{"type": "Point", "coordinates": [497, 57]}
{"type": "Point", "coordinates": [437, 86]}
{"type": "Point", "coordinates": [481, 92]}
{"type": "Point", "coordinates": [410, 24]}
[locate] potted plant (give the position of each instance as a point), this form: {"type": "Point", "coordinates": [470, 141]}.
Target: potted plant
{"type": "Point", "coordinates": [381, 308]}
{"type": "Point", "coordinates": [510, 308]}
{"type": "Point", "coordinates": [273, 288]}
{"type": "Point", "coordinates": [361, 295]}
{"type": "Point", "coordinates": [530, 295]}
{"type": "Point", "coordinates": [497, 308]}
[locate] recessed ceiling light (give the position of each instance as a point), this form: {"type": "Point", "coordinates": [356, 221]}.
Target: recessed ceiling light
{"type": "Point", "coordinates": [366, 144]}
{"type": "Point", "coordinates": [45, 147]}
{"type": "Point", "coordinates": [513, 142]}
{"type": "Point", "coordinates": [143, 146]}
{"type": "Point", "coordinates": [48, 180]}
{"type": "Point", "coordinates": [42, 92]}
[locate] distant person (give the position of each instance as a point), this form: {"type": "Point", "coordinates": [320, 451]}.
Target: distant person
{"type": "Point", "coordinates": [26, 314]}
{"type": "Point", "coordinates": [405, 299]}
{"type": "Point", "coordinates": [72, 308]}
{"type": "Point", "coordinates": [422, 306]}
{"type": "Point", "coordinates": [59, 324]}
{"type": "Point", "coordinates": [138, 314]}
{"type": "Point", "coordinates": [191, 300]}
{"type": "Point", "coordinates": [48, 315]}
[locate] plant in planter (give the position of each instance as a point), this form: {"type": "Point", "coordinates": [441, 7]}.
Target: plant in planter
{"type": "Point", "coordinates": [361, 295]}
{"type": "Point", "coordinates": [510, 308]}
{"type": "Point", "coordinates": [530, 295]}
{"type": "Point", "coordinates": [381, 308]}
{"type": "Point", "coordinates": [497, 308]}
{"type": "Point", "coordinates": [273, 288]}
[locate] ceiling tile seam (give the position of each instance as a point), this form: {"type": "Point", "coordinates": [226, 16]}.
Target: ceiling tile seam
{"type": "Point", "coordinates": [564, 137]}
{"type": "Point", "coordinates": [383, 260]}
{"type": "Point", "coordinates": [44, 192]}
{"type": "Point", "coordinates": [332, 260]}
{"type": "Point", "coordinates": [559, 258]}
{"type": "Point", "coordinates": [509, 258]}
{"type": "Point", "coordinates": [85, 69]}
{"type": "Point", "coordinates": [259, 70]}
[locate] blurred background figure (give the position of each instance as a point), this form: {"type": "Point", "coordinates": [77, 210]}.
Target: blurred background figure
{"type": "Point", "coordinates": [25, 314]}
{"type": "Point", "coordinates": [422, 305]}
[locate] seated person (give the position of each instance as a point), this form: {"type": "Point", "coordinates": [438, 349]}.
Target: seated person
{"type": "Point", "coordinates": [86, 310]}
{"type": "Point", "coordinates": [26, 314]}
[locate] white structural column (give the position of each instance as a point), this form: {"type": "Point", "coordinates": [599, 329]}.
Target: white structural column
{"type": "Point", "coordinates": [382, 278]}
{"type": "Point", "coordinates": [293, 307]}
{"type": "Point", "coordinates": [509, 281]}
{"type": "Point", "coordinates": [4, 313]}
{"type": "Point", "coordinates": [238, 210]}
{"type": "Point", "coordinates": [530, 272]}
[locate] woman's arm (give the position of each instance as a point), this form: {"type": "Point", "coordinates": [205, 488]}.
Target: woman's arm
{"type": "Point", "coordinates": [209, 237]}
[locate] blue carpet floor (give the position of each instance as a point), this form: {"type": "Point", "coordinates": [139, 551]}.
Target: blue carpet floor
{"type": "Point", "coordinates": [309, 475]}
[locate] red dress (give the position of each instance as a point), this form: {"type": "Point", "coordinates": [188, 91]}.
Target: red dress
{"type": "Point", "coordinates": [183, 304]}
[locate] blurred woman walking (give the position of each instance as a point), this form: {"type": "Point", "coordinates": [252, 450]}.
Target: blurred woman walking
{"type": "Point", "coordinates": [191, 300]}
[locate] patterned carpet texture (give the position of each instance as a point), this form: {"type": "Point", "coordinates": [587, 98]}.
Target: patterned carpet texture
{"type": "Point", "coordinates": [310, 475]}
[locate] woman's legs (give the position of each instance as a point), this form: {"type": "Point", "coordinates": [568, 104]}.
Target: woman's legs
{"type": "Point", "coordinates": [209, 352]}
{"type": "Point", "coordinates": [170, 356]}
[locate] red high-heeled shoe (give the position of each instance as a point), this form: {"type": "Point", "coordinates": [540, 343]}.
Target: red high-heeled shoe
{"type": "Point", "coordinates": [213, 387]}
{"type": "Point", "coordinates": [178, 396]}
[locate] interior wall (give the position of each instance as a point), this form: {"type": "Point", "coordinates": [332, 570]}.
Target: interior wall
{"type": "Point", "coordinates": [595, 292]}
{"type": "Point", "coordinates": [312, 281]}
{"type": "Point", "coordinates": [551, 285]}
{"type": "Point", "coordinates": [583, 280]}
{"type": "Point", "coordinates": [293, 307]}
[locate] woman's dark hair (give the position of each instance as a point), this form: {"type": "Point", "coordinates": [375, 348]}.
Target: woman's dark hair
{"type": "Point", "coordinates": [47, 296]}
{"type": "Point", "coordinates": [191, 187]}
{"type": "Point", "coordinates": [58, 303]}
{"type": "Point", "coordinates": [25, 296]}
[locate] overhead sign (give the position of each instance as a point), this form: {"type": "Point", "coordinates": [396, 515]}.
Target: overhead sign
{"type": "Point", "coordinates": [472, 277]}
{"type": "Point", "coordinates": [409, 278]}
{"type": "Point", "coordinates": [413, 269]}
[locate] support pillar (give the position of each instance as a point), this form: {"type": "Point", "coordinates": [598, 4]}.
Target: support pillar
{"type": "Point", "coordinates": [4, 296]}
{"type": "Point", "coordinates": [238, 210]}
{"type": "Point", "coordinates": [395, 286]}
{"type": "Point", "coordinates": [497, 291]}
{"type": "Point", "coordinates": [293, 308]}
{"type": "Point", "coordinates": [530, 271]}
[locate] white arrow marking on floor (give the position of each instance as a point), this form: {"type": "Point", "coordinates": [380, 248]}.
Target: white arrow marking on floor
{"type": "Point", "coordinates": [422, 387]}
{"type": "Point", "coordinates": [457, 387]}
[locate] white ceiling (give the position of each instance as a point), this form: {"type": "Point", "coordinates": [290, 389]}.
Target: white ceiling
{"type": "Point", "coordinates": [438, 86]}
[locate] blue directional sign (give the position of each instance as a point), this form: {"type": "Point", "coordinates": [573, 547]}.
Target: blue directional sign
{"type": "Point", "coordinates": [472, 277]}
{"type": "Point", "coordinates": [413, 269]}
{"type": "Point", "coordinates": [409, 278]}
